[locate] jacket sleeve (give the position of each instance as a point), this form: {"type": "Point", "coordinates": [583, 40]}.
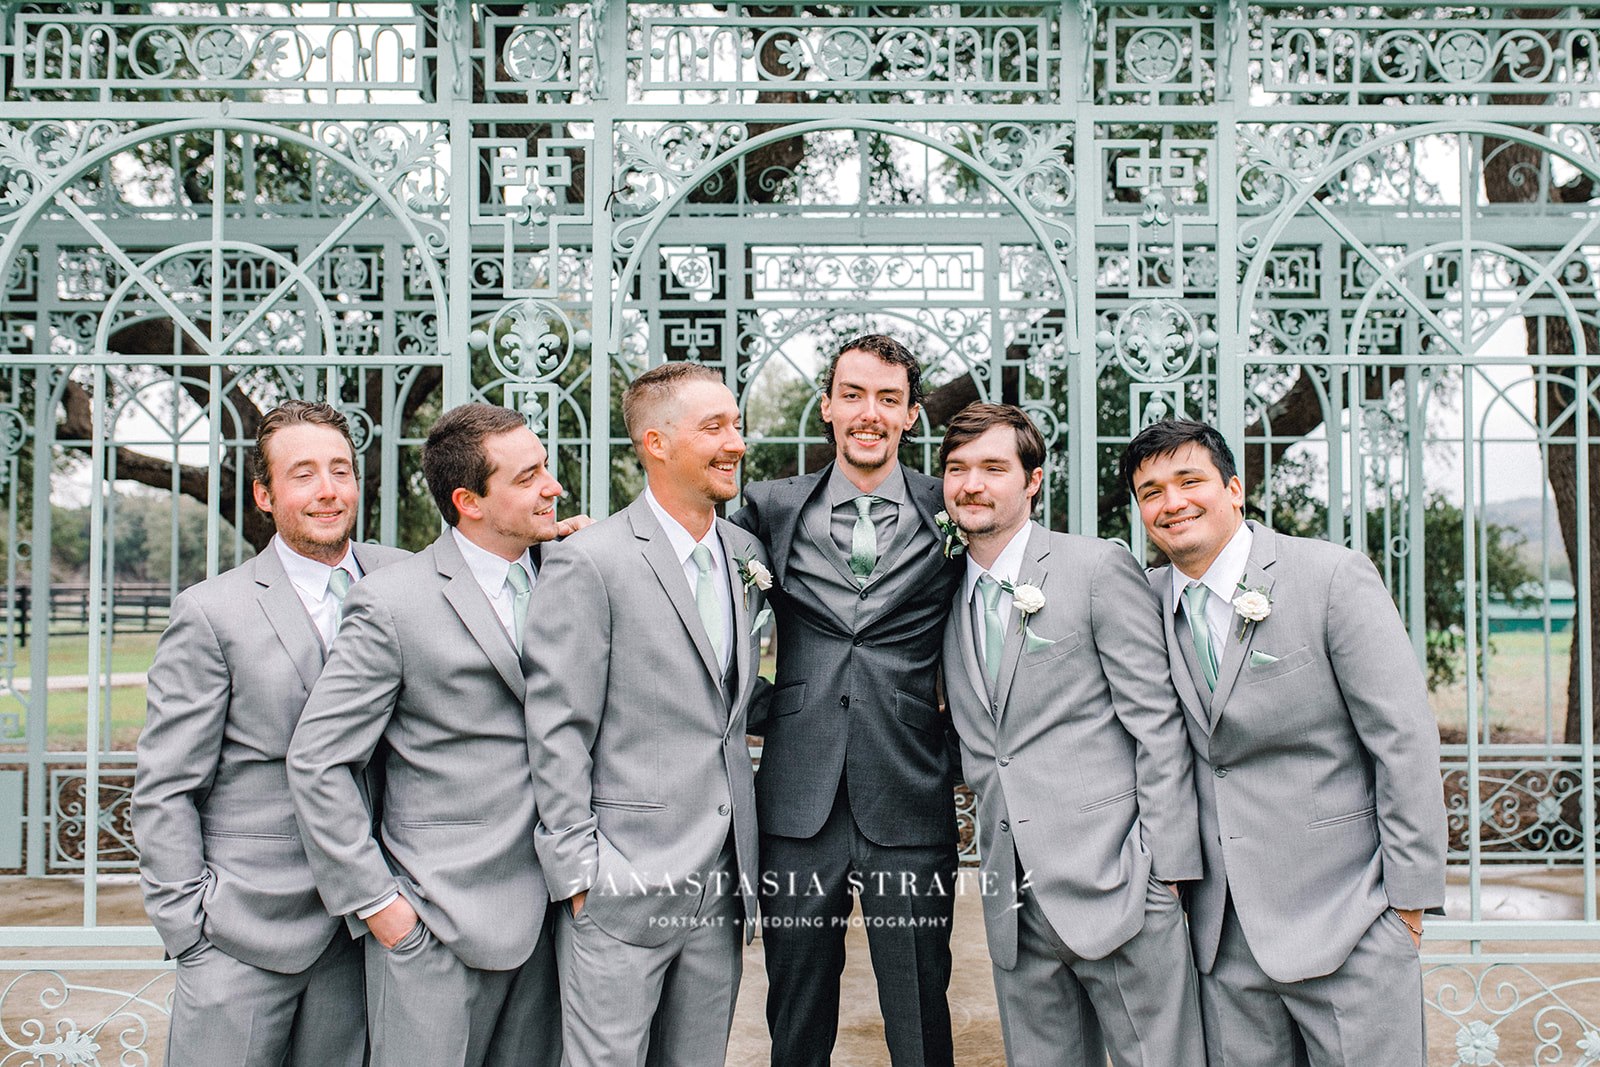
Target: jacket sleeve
{"type": "Point", "coordinates": [1387, 698]}
{"type": "Point", "coordinates": [340, 728]}
{"type": "Point", "coordinates": [189, 693]}
{"type": "Point", "coordinates": [1131, 642]}
{"type": "Point", "coordinates": [569, 660]}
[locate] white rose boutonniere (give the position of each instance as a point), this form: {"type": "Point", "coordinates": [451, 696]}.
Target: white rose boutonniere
{"type": "Point", "coordinates": [753, 572]}
{"type": "Point", "coordinates": [1251, 605]}
{"type": "Point", "coordinates": [955, 538]}
{"type": "Point", "coordinates": [1027, 599]}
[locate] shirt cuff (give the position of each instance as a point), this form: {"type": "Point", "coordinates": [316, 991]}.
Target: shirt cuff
{"type": "Point", "coordinates": [372, 909]}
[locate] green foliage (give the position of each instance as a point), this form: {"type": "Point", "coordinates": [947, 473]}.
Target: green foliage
{"type": "Point", "coordinates": [1503, 569]}
{"type": "Point", "coordinates": [144, 533]}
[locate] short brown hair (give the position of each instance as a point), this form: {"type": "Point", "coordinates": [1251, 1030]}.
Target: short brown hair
{"type": "Point", "coordinates": [975, 420]}
{"type": "Point", "coordinates": [453, 456]}
{"type": "Point", "coordinates": [650, 390]}
{"type": "Point", "coordinates": [294, 413]}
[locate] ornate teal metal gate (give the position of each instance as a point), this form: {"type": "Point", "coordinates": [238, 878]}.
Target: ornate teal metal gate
{"type": "Point", "coordinates": [1362, 239]}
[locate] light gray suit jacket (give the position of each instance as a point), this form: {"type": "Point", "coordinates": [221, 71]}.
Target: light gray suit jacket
{"type": "Point", "coordinates": [219, 851]}
{"type": "Point", "coordinates": [1079, 759]}
{"type": "Point", "coordinates": [639, 756]}
{"type": "Point", "coordinates": [1318, 771]}
{"type": "Point", "coordinates": [424, 673]}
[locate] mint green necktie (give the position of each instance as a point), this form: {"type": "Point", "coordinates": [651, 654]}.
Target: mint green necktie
{"type": "Point", "coordinates": [521, 590]}
{"type": "Point", "coordinates": [863, 541]}
{"type": "Point", "coordinates": [705, 598]}
{"type": "Point", "coordinates": [1194, 599]}
{"type": "Point", "coordinates": [339, 584]}
{"type": "Point", "coordinates": [993, 630]}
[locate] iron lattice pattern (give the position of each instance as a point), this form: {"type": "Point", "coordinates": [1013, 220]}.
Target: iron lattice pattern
{"type": "Point", "coordinates": [1362, 239]}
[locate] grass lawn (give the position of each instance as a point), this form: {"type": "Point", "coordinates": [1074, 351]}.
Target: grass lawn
{"type": "Point", "coordinates": [1516, 692]}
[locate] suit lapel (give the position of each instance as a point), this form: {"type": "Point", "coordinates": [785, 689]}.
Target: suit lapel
{"type": "Point", "coordinates": [1263, 554]}
{"type": "Point", "coordinates": [1032, 572]}
{"type": "Point", "coordinates": [288, 616]}
{"type": "Point", "coordinates": [477, 614]}
{"type": "Point", "coordinates": [1183, 678]}
{"type": "Point", "coordinates": [788, 503]}
{"type": "Point", "coordinates": [969, 647]}
{"type": "Point", "coordinates": [911, 518]}
{"type": "Point", "coordinates": [669, 572]}
{"type": "Point", "coordinates": [732, 548]}
{"type": "Point", "coordinates": [818, 525]}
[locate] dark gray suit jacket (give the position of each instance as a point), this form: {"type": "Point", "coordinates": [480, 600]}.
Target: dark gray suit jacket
{"type": "Point", "coordinates": [219, 851]}
{"type": "Point", "coordinates": [857, 698]}
{"type": "Point", "coordinates": [1317, 762]}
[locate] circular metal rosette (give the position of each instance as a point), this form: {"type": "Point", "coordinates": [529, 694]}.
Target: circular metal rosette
{"type": "Point", "coordinates": [529, 340]}
{"type": "Point", "coordinates": [1156, 341]}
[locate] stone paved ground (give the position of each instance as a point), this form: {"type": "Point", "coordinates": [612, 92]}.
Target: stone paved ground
{"type": "Point", "coordinates": [1515, 1041]}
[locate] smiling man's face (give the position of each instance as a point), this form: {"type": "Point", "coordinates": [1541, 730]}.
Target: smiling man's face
{"type": "Point", "coordinates": [1188, 510]}
{"type": "Point", "coordinates": [870, 409]}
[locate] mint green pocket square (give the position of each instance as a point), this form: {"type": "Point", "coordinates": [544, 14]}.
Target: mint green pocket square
{"type": "Point", "coordinates": [1032, 642]}
{"type": "Point", "coordinates": [1261, 659]}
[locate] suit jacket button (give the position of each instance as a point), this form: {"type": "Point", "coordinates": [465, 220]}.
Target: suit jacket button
{"type": "Point", "coordinates": [1004, 826]}
{"type": "Point", "coordinates": [863, 594]}
{"type": "Point", "coordinates": [1220, 772]}
{"type": "Point", "coordinates": [858, 642]}
{"type": "Point", "coordinates": [844, 701]}
{"type": "Point", "coordinates": [1005, 761]}
{"type": "Point", "coordinates": [724, 810]}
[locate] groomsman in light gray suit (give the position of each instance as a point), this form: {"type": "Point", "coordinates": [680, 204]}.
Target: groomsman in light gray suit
{"type": "Point", "coordinates": [427, 677]}
{"type": "Point", "coordinates": [1317, 762]}
{"type": "Point", "coordinates": [1073, 741]}
{"type": "Point", "coordinates": [643, 641]}
{"type": "Point", "coordinates": [265, 975]}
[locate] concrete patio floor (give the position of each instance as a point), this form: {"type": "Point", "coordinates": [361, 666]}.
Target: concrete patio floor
{"type": "Point", "coordinates": [1528, 893]}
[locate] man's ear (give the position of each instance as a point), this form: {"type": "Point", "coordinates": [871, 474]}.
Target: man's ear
{"type": "Point", "coordinates": [654, 444]}
{"type": "Point", "coordinates": [466, 502]}
{"type": "Point", "coordinates": [263, 496]}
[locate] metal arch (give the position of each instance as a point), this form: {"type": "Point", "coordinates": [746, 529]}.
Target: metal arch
{"type": "Point", "coordinates": [664, 210]}
{"type": "Point", "coordinates": [80, 164]}
{"type": "Point", "coordinates": [1290, 208]}
{"type": "Point", "coordinates": [1391, 276]}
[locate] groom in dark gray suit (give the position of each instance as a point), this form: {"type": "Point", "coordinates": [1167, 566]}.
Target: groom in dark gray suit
{"type": "Point", "coordinates": [428, 677]}
{"type": "Point", "coordinates": [857, 769]}
{"type": "Point", "coordinates": [1317, 765]}
{"type": "Point", "coordinates": [266, 977]}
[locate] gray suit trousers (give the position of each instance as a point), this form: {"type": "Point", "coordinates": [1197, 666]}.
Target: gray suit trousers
{"type": "Point", "coordinates": [427, 1007]}
{"type": "Point", "coordinates": [1056, 1008]}
{"type": "Point", "coordinates": [626, 1005]}
{"type": "Point", "coordinates": [1367, 1012]}
{"type": "Point", "coordinates": [229, 1013]}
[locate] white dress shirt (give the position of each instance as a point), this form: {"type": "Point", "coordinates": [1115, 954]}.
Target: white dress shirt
{"type": "Point", "coordinates": [1222, 578]}
{"type": "Point", "coordinates": [1007, 565]}
{"type": "Point", "coordinates": [683, 545]}
{"type": "Point", "coordinates": [310, 581]}
{"type": "Point", "coordinates": [490, 571]}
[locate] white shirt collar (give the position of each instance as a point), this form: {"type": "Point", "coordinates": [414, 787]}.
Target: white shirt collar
{"type": "Point", "coordinates": [488, 568]}
{"type": "Point", "coordinates": [1224, 574]}
{"type": "Point", "coordinates": [682, 541]}
{"type": "Point", "coordinates": [311, 576]}
{"type": "Point", "coordinates": [1007, 565]}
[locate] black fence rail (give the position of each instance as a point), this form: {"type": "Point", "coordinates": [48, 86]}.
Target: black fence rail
{"type": "Point", "coordinates": [134, 607]}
